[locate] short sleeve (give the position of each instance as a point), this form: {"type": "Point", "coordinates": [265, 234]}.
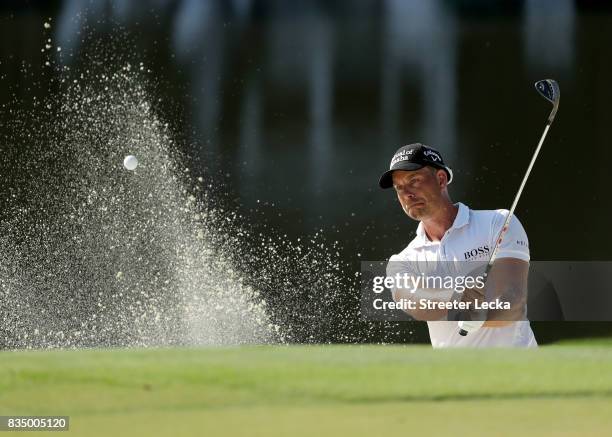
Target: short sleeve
{"type": "Point", "coordinates": [514, 243]}
{"type": "Point", "coordinates": [398, 264]}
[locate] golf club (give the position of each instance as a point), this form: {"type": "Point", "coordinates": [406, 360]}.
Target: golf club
{"type": "Point", "coordinates": [549, 89]}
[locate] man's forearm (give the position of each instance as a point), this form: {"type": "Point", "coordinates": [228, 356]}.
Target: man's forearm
{"type": "Point", "coordinates": [418, 313]}
{"type": "Point", "coordinates": [507, 283]}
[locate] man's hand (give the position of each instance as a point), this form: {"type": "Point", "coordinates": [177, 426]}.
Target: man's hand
{"type": "Point", "coordinates": [471, 294]}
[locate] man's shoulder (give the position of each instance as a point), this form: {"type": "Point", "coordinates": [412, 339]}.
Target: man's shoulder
{"type": "Point", "coordinates": [408, 253]}
{"type": "Point", "coordinates": [488, 214]}
{"type": "Point", "coordinates": [494, 217]}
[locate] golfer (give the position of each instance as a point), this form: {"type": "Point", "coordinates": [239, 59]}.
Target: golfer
{"type": "Point", "coordinates": [454, 233]}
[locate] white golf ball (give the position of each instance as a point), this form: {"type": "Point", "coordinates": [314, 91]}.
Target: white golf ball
{"type": "Point", "coordinates": [130, 162]}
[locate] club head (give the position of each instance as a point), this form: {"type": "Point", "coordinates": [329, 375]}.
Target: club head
{"type": "Point", "coordinates": [549, 89]}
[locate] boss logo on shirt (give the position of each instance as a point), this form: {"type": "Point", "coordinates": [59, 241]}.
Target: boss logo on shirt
{"type": "Point", "coordinates": [481, 250]}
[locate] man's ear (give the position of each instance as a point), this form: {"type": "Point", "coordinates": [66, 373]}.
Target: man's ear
{"type": "Point", "coordinates": [442, 178]}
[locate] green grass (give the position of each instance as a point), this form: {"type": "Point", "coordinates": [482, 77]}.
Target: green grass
{"type": "Point", "coordinates": [315, 390]}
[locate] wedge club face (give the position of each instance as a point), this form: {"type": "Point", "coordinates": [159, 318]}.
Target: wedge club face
{"type": "Point", "coordinates": [549, 89]}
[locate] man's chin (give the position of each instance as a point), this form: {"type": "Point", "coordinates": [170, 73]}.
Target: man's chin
{"type": "Point", "coordinates": [416, 212]}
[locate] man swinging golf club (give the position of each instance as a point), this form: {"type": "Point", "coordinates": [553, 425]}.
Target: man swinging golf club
{"type": "Point", "coordinates": [452, 232]}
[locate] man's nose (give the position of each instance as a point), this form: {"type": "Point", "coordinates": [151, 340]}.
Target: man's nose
{"type": "Point", "coordinates": [406, 194]}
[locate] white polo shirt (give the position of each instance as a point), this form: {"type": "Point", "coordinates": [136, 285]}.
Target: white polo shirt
{"type": "Point", "coordinates": [470, 238]}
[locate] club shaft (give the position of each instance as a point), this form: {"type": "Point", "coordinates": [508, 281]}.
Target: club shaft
{"type": "Point", "coordinates": [528, 172]}
{"type": "Point", "coordinates": [464, 327]}
{"type": "Point", "coordinates": [517, 197]}
{"type": "Point", "coordinates": [467, 326]}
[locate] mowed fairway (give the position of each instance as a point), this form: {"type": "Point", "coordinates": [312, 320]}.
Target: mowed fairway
{"type": "Point", "coordinates": [315, 390]}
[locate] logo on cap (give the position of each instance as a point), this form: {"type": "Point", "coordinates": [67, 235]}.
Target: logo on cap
{"type": "Point", "coordinates": [404, 155]}
{"type": "Point", "coordinates": [432, 155]}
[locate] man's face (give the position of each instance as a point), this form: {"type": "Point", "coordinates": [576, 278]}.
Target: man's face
{"type": "Point", "coordinates": [419, 192]}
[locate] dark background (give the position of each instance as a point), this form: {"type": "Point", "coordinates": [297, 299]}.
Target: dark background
{"type": "Point", "coordinates": [294, 108]}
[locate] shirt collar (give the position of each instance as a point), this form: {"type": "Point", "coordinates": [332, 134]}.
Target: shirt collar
{"type": "Point", "coordinates": [462, 219]}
